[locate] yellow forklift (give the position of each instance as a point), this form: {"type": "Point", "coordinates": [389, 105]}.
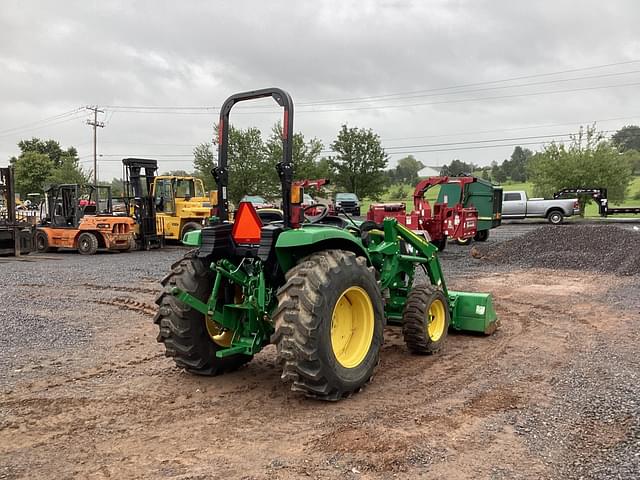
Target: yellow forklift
{"type": "Point", "coordinates": [164, 206]}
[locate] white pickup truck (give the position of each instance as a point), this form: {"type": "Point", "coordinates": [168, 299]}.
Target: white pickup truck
{"type": "Point", "coordinates": [517, 205]}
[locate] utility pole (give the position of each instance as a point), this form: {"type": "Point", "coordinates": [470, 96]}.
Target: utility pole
{"type": "Point", "coordinates": [95, 124]}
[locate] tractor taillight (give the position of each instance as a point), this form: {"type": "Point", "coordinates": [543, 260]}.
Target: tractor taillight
{"type": "Point", "coordinates": [247, 227]}
{"type": "Point", "coordinates": [576, 205]}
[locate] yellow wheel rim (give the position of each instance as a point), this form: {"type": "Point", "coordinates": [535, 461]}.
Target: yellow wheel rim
{"type": "Point", "coordinates": [436, 320]}
{"type": "Point", "coordinates": [217, 334]}
{"type": "Point", "coordinates": [352, 325]}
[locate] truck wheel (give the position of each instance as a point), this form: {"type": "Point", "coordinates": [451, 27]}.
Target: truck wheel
{"type": "Point", "coordinates": [188, 337]}
{"type": "Point", "coordinates": [425, 319]}
{"type": "Point", "coordinates": [555, 217]}
{"type": "Point", "coordinates": [481, 236]}
{"type": "Point", "coordinates": [329, 324]}
{"type": "Point", "coordinates": [190, 227]}
{"type": "Point", "coordinates": [42, 243]}
{"type": "Point", "coordinates": [87, 243]}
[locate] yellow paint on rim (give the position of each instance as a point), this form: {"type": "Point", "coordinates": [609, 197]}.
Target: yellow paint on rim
{"type": "Point", "coordinates": [352, 326]}
{"type": "Point", "coordinates": [219, 336]}
{"type": "Point", "coordinates": [436, 320]}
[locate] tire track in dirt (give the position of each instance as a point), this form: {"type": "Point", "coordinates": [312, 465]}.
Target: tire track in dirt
{"type": "Point", "coordinates": [130, 304]}
{"type": "Point", "coordinates": [125, 289]}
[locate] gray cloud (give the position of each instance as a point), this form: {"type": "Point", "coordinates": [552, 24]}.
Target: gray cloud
{"type": "Point", "coordinates": [55, 57]}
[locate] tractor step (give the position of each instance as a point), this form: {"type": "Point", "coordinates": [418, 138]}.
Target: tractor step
{"type": "Point", "coordinates": [472, 312]}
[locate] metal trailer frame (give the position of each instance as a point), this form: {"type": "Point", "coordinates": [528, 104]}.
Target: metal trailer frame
{"type": "Point", "coordinates": [599, 194]}
{"type": "Point", "coordinates": [16, 236]}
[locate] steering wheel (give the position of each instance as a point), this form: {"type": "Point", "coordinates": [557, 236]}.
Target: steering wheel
{"type": "Point", "coordinates": [316, 218]}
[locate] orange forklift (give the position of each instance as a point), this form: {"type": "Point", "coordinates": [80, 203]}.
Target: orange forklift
{"type": "Point", "coordinates": [80, 217]}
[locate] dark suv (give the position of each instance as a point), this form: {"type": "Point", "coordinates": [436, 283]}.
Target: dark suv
{"type": "Point", "coordinates": [348, 202]}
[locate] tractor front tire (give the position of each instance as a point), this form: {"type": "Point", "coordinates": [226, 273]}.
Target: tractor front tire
{"type": "Point", "coordinates": [425, 319]}
{"type": "Point", "coordinates": [42, 243]}
{"type": "Point", "coordinates": [183, 330]}
{"type": "Point", "coordinates": [189, 227]}
{"type": "Point", "coordinates": [329, 325]}
{"type": "Point", "coordinates": [87, 243]}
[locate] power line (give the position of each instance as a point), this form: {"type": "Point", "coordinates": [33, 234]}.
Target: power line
{"type": "Point", "coordinates": [43, 120]}
{"type": "Point", "coordinates": [416, 93]}
{"type": "Point", "coordinates": [547, 125]}
{"type": "Point", "coordinates": [383, 107]}
{"type": "Point", "coordinates": [52, 124]}
{"type": "Point", "coordinates": [489, 82]}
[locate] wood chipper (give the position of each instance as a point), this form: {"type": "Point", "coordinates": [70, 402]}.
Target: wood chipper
{"type": "Point", "coordinates": [320, 288]}
{"type": "Point", "coordinates": [465, 209]}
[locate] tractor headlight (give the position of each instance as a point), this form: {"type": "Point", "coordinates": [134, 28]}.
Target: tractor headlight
{"type": "Point", "coordinates": [103, 225]}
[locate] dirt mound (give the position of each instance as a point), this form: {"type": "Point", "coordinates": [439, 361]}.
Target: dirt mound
{"type": "Point", "coordinates": [599, 248]}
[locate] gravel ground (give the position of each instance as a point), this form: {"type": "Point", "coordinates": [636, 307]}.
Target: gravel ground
{"type": "Point", "coordinates": [599, 248]}
{"type": "Point", "coordinates": [555, 393]}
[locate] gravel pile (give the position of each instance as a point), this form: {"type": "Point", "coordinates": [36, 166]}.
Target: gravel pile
{"type": "Point", "coordinates": [600, 248]}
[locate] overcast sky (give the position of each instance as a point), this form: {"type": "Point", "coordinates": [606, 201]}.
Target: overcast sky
{"type": "Point", "coordinates": [389, 66]}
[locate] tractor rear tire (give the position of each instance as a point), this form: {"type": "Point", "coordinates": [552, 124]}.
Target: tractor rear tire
{"type": "Point", "coordinates": [182, 329]}
{"type": "Point", "coordinates": [42, 243]}
{"type": "Point", "coordinates": [425, 319]}
{"type": "Point", "coordinates": [329, 296]}
{"type": "Point", "coordinates": [87, 243]}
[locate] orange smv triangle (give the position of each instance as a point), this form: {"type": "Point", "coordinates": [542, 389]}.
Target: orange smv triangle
{"type": "Point", "coordinates": [247, 227]}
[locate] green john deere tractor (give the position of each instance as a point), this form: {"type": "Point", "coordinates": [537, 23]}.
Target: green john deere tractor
{"type": "Point", "coordinates": [321, 288]}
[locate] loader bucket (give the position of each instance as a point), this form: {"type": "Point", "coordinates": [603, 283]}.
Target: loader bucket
{"type": "Point", "coordinates": [472, 312]}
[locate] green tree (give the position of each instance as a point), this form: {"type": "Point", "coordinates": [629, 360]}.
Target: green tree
{"type": "Point", "coordinates": [204, 162]}
{"type": "Point", "coordinates": [326, 169]}
{"type": "Point", "coordinates": [305, 154]}
{"type": "Point", "coordinates": [51, 148]}
{"type": "Point", "coordinates": [178, 173]}
{"type": "Point", "coordinates": [485, 174]}
{"type": "Point", "coordinates": [69, 171]}
{"type": "Point", "coordinates": [32, 169]}
{"type": "Point", "coordinates": [497, 173]}
{"type": "Point", "coordinates": [627, 138]}
{"type": "Point", "coordinates": [633, 156]}
{"type": "Point", "coordinates": [360, 162]}
{"type": "Point", "coordinates": [407, 170]}
{"type": "Point", "coordinates": [588, 161]}
{"type": "Point", "coordinates": [456, 168]}
{"type": "Point", "coordinates": [516, 167]}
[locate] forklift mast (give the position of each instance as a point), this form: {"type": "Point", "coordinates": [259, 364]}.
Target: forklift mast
{"type": "Point", "coordinates": [139, 198]}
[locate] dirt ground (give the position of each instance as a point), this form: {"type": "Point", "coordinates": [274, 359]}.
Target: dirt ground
{"type": "Point", "coordinates": [112, 406]}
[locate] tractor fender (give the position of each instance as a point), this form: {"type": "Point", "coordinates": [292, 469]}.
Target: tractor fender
{"type": "Point", "coordinates": [293, 245]}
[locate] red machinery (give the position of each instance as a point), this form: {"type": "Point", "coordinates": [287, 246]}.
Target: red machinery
{"type": "Point", "coordinates": [446, 219]}
{"type": "Point", "coordinates": [317, 184]}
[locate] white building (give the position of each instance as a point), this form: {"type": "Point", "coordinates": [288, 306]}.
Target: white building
{"type": "Point", "coordinates": [428, 172]}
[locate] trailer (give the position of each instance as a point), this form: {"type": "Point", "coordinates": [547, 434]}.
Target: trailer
{"type": "Point", "coordinates": [599, 194]}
